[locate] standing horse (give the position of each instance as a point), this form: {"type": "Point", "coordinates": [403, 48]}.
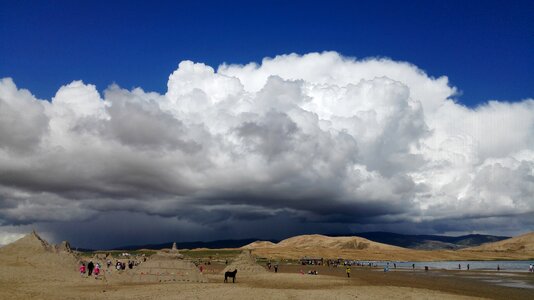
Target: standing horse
{"type": "Point", "coordinates": [231, 275]}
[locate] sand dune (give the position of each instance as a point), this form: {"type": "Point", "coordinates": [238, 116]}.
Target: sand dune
{"type": "Point", "coordinates": [363, 249]}
{"type": "Point", "coordinates": [522, 243]}
{"type": "Point", "coordinates": [167, 265]}
{"type": "Point", "coordinates": [327, 247]}
{"type": "Point", "coordinates": [31, 261]}
{"type": "Point", "coordinates": [31, 243]}
{"type": "Point", "coordinates": [344, 242]}
{"type": "Point", "coordinates": [245, 263]}
{"type": "Point", "coordinates": [259, 244]}
{"type": "Point", "coordinates": [313, 241]}
{"type": "Point", "coordinates": [34, 251]}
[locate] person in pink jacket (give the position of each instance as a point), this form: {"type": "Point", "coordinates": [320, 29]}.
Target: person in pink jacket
{"type": "Point", "coordinates": [96, 271]}
{"type": "Point", "coordinates": [82, 269]}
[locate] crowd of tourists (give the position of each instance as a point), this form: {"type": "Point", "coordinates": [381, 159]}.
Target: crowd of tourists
{"type": "Point", "coordinates": [90, 268]}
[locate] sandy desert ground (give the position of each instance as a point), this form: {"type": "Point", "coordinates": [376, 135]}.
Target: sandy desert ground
{"type": "Point", "coordinates": [33, 269]}
{"type": "Point", "coordinates": [32, 283]}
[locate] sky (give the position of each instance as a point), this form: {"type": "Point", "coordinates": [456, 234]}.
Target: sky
{"type": "Point", "coordinates": [144, 122]}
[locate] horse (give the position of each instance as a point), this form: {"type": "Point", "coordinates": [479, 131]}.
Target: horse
{"type": "Point", "coordinates": [230, 274]}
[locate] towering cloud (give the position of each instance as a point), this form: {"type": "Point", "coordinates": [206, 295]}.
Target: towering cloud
{"type": "Point", "coordinates": [318, 139]}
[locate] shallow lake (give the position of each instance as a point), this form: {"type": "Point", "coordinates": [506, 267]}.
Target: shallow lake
{"type": "Point", "coordinates": [505, 265]}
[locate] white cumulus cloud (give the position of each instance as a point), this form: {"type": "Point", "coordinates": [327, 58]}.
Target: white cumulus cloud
{"type": "Point", "coordinates": [319, 138]}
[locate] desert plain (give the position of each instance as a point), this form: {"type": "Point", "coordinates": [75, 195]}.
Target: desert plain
{"type": "Point", "coordinates": [31, 268]}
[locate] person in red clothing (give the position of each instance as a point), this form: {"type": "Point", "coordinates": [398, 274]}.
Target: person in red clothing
{"type": "Point", "coordinates": [96, 271]}
{"type": "Point", "coordinates": [82, 269]}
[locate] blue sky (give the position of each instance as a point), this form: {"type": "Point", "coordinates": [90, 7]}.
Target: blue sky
{"type": "Point", "coordinates": [484, 47]}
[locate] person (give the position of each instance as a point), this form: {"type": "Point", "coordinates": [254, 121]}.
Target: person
{"type": "Point", "coordinates": [90, 267]}
{"type": "Point", "coordinates": [413, 267]}
{"type": "Point", "coordinates": [459, 267]}
{"type": "Point", "coordinates": [82, 269]}
{"type": "Point", "coordinates": [201, 268]}
{"type": "Point", "coordinates": [467, 267]}
{"type": "Point", "coordinates": [97, 271]}
{"type": "Point", "coordinates": [531, 268]}
{"type": "Point", "coordinates": [394, 265]}
{"type": "Point", "coordinates": [276, 268]}
{"type": "Point", "coordinates": [348, 272]}
{"type": "Point", "coordinates": [498, 268]}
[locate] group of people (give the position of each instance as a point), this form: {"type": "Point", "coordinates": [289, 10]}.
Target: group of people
{"type": "Point", "coordinates": [90, 270]}
{"type": "Point", "coordinates": [120, 265]}
{"type": "Point", "coordinates": [311, 261]}
{"type": "Point", "coordinates": [275, 267]}
{"type": "Point", "coordinates": [386, 267]}
{"type": "Point", "coordinates": [360, 263]}
{"type": "Point", "coordinates": [95, 269]}
{"type": "Point", "coordinates": [460, 267]}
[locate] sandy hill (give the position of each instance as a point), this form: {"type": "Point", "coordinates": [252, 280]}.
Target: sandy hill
{"type": "Point", "coordinates": [32, 258]}
{"type": "Point", "coordinates": [245, 263]}
{"type": "Point", "coordinates": [167, 265]}
{"type": "Point", "coordinates": [259, 244]}
{"type": "Point", "coordinates": [32, 245]}
{"type": "Point", "coordinates": [522, 243]}
{"type": "Point", "coordinates": [321, 241]}
{"type": "Point", "coordinates": [362, 249]}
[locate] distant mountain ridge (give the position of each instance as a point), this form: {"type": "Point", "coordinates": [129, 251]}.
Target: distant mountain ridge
{"type": "Point", "coordinates": [218, 244]}
{"type": "Point", "coordinates": [522, 243]}
{"type": "Point", "coordinates": [430, 242]}
{"type": "Point", "coordinates": [421, 242]}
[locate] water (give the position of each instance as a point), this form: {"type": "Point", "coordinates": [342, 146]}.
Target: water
{"type": "Point", "coordinates": [503, 278]}
{"type": "Point", "coordinates": [505, 265]}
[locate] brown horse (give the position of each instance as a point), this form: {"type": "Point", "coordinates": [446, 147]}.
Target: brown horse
{"type": "Point", "coordinates": [231, 275]}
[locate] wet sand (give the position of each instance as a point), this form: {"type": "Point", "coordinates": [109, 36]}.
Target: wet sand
{"type": "Point", "coordinates": [470, 283]}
